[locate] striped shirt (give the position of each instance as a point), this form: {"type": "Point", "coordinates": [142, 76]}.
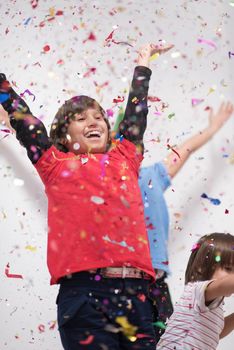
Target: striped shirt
{"type": "Point", "coordinates": [193, 325]}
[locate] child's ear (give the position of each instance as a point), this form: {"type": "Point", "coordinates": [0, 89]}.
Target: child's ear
{"type": "Point", "coordinates": [65, 140]}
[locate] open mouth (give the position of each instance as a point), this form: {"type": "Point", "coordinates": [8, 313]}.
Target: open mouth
{"type": "Point", "coordinates": [93, 134]}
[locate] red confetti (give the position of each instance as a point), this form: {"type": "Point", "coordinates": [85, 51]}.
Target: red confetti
{"type": "Point", "coordinates": [119, 99]}
{"type": "Point", "coordinates": [88, 340]}
{"type": "Point", "coordinates": [141, 297]}
{"type": "Point", "coordinates": [60, 62]}
{"type": "Point", "coordinates": [59, 13]}
{"type": "Point", "coordinates": [11, 275]}
{"type": "Point", "coordinates": [91, 37]}
{"type": "Point", "coordinates": [173, 150]}
{"type": "Point", "coordinates": [154, 99]}
{"type": "Point", "coordinates": [226, 211]}
{"type": "Point", "coordinates": [46, 48]}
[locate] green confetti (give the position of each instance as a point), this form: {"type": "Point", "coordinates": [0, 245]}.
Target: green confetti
{"type": "Point", "coordinates": [171, 115]}
{"type": "Point", "coordinates": [160, 324]}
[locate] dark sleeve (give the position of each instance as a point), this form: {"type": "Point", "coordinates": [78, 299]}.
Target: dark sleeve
{"type": "Point", "coordinates": [134, 122]}
{"type": "Point", "coordinates": [30, 131]}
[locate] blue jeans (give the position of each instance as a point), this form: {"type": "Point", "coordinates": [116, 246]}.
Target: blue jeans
{"type": "Point", "coordinates": [105, 313]}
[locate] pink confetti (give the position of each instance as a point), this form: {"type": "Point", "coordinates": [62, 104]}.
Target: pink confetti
{"type": "Point", "coordinates": [91, 70]}
{"type": "Point", "coordinates": [207, 42]}
{"type": "Point", "coordinates": [34, 3]}
{"type": "Point", "coordinates": [11, 275]}
{"type": "Point", "coordinates": [41, 328]}
{"type": "Point", "coordinates": [109, 112]}
{"type": "Point", "coordinates": [87, 340]}
{"type": "Point", "coordinates": [196, 101]}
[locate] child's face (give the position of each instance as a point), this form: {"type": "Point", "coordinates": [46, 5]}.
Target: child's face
{"type": "Point", "coordinates": [87, 133]}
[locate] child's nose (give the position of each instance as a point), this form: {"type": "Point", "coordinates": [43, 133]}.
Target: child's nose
{"type": "Point", "coordinates": [92, 121]}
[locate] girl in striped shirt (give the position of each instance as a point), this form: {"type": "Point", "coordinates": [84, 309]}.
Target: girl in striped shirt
{"type": "Point", "coordinates": [198, 321]}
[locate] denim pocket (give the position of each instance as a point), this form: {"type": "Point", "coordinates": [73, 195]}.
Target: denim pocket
{"type": "Point", "coordinates": [69, 306]}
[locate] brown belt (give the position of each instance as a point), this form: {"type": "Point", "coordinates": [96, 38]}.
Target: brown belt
{"type": "Point", "coordinates": [121, 272]}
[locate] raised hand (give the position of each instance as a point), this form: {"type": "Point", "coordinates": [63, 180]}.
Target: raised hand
{"type": "Point", "coordinates": [216, 120]}
{"type": "Point", "coordinates": [149, 50]}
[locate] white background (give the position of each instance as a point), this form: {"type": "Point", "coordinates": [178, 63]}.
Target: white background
{"type": "Point", "coordinates": [191, 70]}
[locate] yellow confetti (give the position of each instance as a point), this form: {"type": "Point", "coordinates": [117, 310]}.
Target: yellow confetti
{"type": "Point", "coordinates": [31, 248]}
{"type": "Point", "coordinates": [127, 328]}
{"type": "Point", "coordinates": [154, 57]}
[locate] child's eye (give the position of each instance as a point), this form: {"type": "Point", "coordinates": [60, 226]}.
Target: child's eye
{"type": "Point", "coordinates": [98, 116]}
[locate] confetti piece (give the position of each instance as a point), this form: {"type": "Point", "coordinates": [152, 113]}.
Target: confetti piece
{"type": "Point", "coordinates": [122, 243]}
{"type": "Point", "coordinates": [46, 48]}
{"type": "Point", "coordinates": [52, 325]}
{"type": "Point", "coordinates": [226, 211]}
{"type": "Point", "coordinates": [154, 99]}
{"type": "Point", "coordinates": [171, 115]}
{"type": "Point", "coordinates": [110, 40]}
{"type": "Point", "coordinates": [173, 150]}
{"type": "Point", "coordinates": [41, 328]}
{"type": "Point", "coordinates": [91, 70]}
{"type": "Point", "coordinates": [207, 42]}
{"type": "Point", "coordinates": [119, 99]}
{"type": "Point", "coordinates": [29, 93]}
{"type": "Point", "coordinates": [218, 258]}
{"type": "Point", "coordinates": [214, 201]}
{"type": "Point", "coordinates": [196, 101]}
{"type": "Point", "coordinates": [127, 328]}
{"type": "Point", "coordinates": [31, 248]}
{"type": "Point", "coordinates": [230, 54]}
{"type": "Point", "coordinates": [97, 200]}
{"type": "Point", "coordinates": [34, 3]}
{"type": "Point", "coordinates": [27, 21]}
{"type": "Point", "coordinates": [11, 275]}
{"type": "Point", "coordinates": [154, 57]}
{"type": "Point", "coordinates": [88, 340]}
{"type": "Point", "coordinates": [160, 324]}
{"type": "Point", "coordinates": [196, 246]}
{"type": "Point", "coordinates": [91, 37]}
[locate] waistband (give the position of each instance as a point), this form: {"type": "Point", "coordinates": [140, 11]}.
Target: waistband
{"type": "Point", "coordinates": [111, 272]}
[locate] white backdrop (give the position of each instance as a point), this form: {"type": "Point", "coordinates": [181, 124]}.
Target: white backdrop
{"type": "Point", "coordinates": [77, 61]}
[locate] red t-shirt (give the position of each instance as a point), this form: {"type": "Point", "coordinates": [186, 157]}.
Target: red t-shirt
{"type": "Point", "coordinates": [95, 211]}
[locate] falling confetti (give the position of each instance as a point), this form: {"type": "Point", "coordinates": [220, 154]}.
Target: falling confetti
{"type": "Point", "coordinates": [214, 201]}
{"type": "Point", "coordinates": [207, 42]}
{"type": "Point", "coordinates": [28, 92]}
{"type": "Point", "coordinates": [88, 340]}
{"type": "Point", "coordinates": [11, 275]}
{"type": "Point", "coordinates": [173, 150]}
{"type": "Point", "coordinates": [196, 101]}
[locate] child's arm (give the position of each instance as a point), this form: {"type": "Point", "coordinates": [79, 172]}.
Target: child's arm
{"type": "Point", "coordinates": [173, 163]}
{"type": "Point", "coordinates": [133, 124]}
{"type": "Point", "coordinates": [30, 131]}
{"type": "Point", "coordinates": [228, 326]}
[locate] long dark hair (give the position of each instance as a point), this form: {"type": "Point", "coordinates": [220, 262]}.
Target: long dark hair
{"type": "Point", "coordinates": [66, 113]}
{"type": "Point", "coordinates": [211, 251]}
